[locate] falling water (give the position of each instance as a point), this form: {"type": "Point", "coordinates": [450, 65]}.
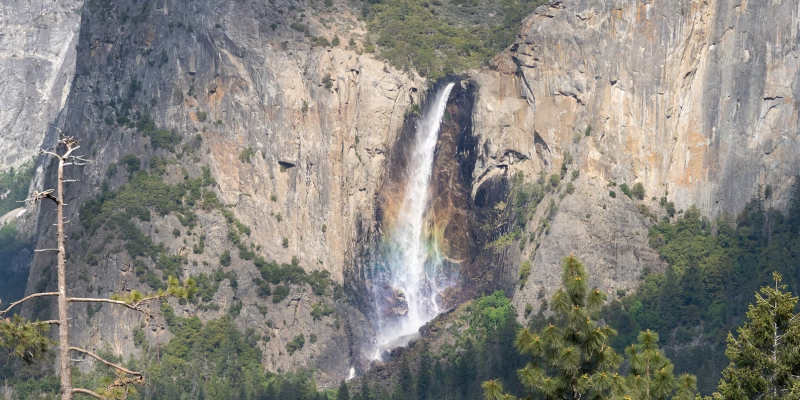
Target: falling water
{"type": "Point", "coordinates": [413, 264]}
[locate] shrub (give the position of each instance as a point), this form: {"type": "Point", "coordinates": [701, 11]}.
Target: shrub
{"type": "Point", "coordinates": [335, 41]}
{"type": "Point", "coordinates": [327, 82]}
{"type": "Point", "coordinates": [320, 41]}
{"type": "Point", "coordinates": [279, 293]}
{"type": "Point", "coordinates": [612, 193]}
{"type": "Point", "coordinates": [588, 131]}
{"type": "Point", "coordinates": [247, 154]}
{"type": "Point", "coordinates": [570, 188]}
{"type": "Point", "coordinates": [285, 243]}
{"type": "Point", "coordinates": [299, 26]}
{"type": "Point", "coordinates": [524, 273]}
{"type": "Point", "coordinates": [131, 163]}
{"type": "Point", "coordinates": [319, 310]}
{"type": "Point", "coordinates": [670, 207]}
{"type": "Point", "coordinates": [225, 259]}
{"type": "Point", "coordinates": [312, 338]}
{"type": "Point", "coordinates": [555, 180]}
{"type": "Point", "coordinates": [14, 184]}
{"type": "Point", "coordinates": [575, 174]}
{"type": "Point", "coordinates": [296, 344]}
{"type": "Point", "coordinates": [625, 189]}
{"type": "Point", "coordinates": [176, 232]}
{"type": "Point", "coordinates": [202, 116]}
{"type": "Point", "coordinates": [638, 191]}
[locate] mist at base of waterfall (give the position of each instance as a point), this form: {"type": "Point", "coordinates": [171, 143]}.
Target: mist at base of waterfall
{"type": "Point", "coordinates": [407, 287]}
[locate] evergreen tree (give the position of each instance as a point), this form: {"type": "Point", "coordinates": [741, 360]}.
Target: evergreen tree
{"type": "Point", "coordinates": [794, 203]}
{"type": "Point", "coordinates": [343, 393]}
{"type": "Point", "coordinates": [651, 376]}
{"type": "Point", "coordinates": [765, 357]}
{"type": "Point", "coordinates": [572, 358]}
{"type": "Point", "coordinates": [424, 373]}
{"type": "Point", "coordinates": [575, 359]}
{"type": "Point", "coordinates": [366, 391]}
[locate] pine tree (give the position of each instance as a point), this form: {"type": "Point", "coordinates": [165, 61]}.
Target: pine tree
{"type": "Point", "coordinates": [343, 393]}
{"type": "Point", "coordinates": [573, 360]}
{"type": "Point", "coordinates": [794, 203]}
{"type": "Point", "coordinates": [651, 376]}
{"type": "Point", "coordinates": [424, 373]}
{"type": "Point", "coordinates": [765, 357]}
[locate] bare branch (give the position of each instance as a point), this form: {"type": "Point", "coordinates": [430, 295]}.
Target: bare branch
{"type": "Point", "coordinates": [33, 296]}
{"type": "Point", "coordinates": [90, 393]}
{"type": "Point", "coordinates": [102, 360]}
{"type": "Point", "coordinates": [36, 196]}
{"type": "Point", "coordinates": [56, 155]}
{"type": "Point", "coordinates": [50, 322]}
{"type": "Point", "coordinates": [135, 306]}
{"type": "Point", "coordinates": [40, 250]}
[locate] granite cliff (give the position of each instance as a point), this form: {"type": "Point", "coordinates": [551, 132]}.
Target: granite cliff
{"type": "Point", "coordinates": [301, 132]}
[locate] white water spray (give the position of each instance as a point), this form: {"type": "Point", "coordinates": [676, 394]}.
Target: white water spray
{"type": "Point", "coordinates": [413, 261]}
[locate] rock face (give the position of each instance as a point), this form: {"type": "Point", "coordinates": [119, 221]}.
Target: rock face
{"type": "Point", "coordinates": [37, 63]}
{"type": "Point", "coordinates": [696, 100]}
{"type": "Point", "coordinates": [295, 137]}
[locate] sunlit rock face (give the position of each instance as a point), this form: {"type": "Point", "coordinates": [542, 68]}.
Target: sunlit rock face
{"type": "Point", "coordinates": [317, 122]}
{"type": "Point", "coordinates": [37, 65]}
{"type": "Point", "coordinates": [696, 100]}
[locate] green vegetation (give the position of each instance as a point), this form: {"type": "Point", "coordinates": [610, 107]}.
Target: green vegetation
{"type": "Point", "coordinates": [555, 180]}
{"type": "Point", "coordinates": [272, 273]}
{"type": "Point", "coordinates": [225, 259]}
{"type": "Point", "coordinates": [296, 344]}
{"type": "Point", "coordinates": [212, 361]}
{"type": "Point", "coordinates": [280, 293]}
{"type": "Point", "coordinates": [14, 185]}
{"type": "Point", "coordinates": [703, 294]}
{"type": "Point", "coordinates": [625, 189]}
{"type": "Point", "coordinates": [144, 194]}
{"type": "Point", "coordinates": [327, 82]}
{"type": "Point", "coordinates": [12, 280]}
{"type": "Point", "coordinates": [319, 310]}
{"type": "Point", "coordinates": [159, 138]}
{"type": "Point", "coordinates": [572, 358]}
{"type": "Point", "coordinates": [638, 192]}
{"type": "Point", "coordinates": [764, 362]}
{"type": "Point", "coordinates": [202, 116]}
{"type": "Point", "coordinates": [440, 38]}
{"type": "Point", "coordinates": [246, 155]}
{"type": "Point", "coordinates": [524, 273]}
{"type": "Point", "coordinates": [207, 285]}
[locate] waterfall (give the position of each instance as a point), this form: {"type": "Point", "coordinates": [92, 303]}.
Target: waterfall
{"type": "Point", "coordinates": [412, 273]}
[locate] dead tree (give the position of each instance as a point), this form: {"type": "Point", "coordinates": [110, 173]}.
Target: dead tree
{"type": "Point", "coordinates": [29, 339]}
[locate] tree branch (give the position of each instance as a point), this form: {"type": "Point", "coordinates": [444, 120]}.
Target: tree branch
{"type": "Point", "coordinates": [102, 360]}
{"type": "Point", "coordinates": [90, 393]}
{"type": "Point", "coordinates": [33, 296]}
{"type": "Point", "coordinates": [134, 306]}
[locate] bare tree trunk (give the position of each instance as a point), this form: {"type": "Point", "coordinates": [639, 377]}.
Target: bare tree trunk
{"type": "Point", "coordinates": [63, 304]}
